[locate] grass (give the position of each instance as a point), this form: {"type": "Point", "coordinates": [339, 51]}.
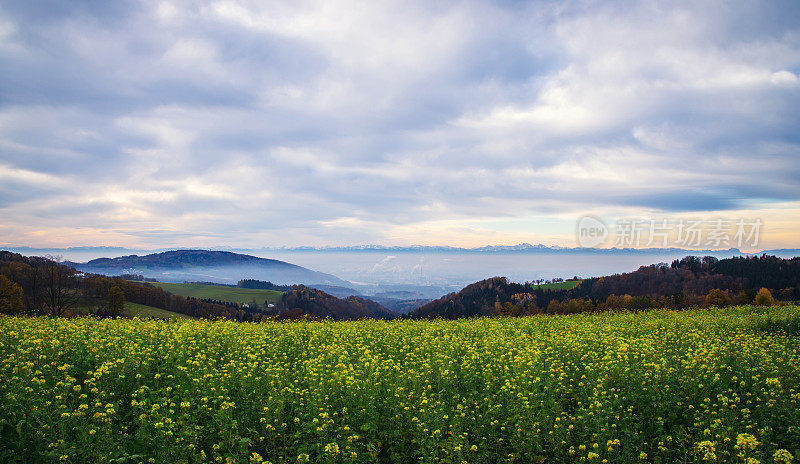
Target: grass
{"type": "Point", "coordinates": [86, 307]}
{"type": "Point", "coordinates": [221, 292]}
{"type": "Point", "coordinates": [717, 385]}
{"type": "Point", "coordinates": [566, 285]}
{"type": "Point", "coordinates": [140, 310]}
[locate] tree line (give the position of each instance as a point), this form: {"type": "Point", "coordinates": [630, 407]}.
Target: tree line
{"type": "Point", "coordinates": [264, 285]}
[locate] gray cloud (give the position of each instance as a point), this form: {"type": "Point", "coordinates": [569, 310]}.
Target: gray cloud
{"type": "Point", "coordinates": [255, 123]}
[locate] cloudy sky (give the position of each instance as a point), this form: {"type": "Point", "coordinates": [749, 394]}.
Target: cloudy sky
{"type": "Point", "coordinates": [170, 123]}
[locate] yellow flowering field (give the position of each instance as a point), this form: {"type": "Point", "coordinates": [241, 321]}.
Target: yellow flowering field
{"type": "Point", "coordinates": [663, 387]}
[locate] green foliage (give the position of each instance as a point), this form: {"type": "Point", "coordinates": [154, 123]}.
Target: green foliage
{"type": "Point", "coordinates": [658, 386]}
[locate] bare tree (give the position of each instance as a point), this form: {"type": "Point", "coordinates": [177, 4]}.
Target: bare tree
{"type": "Point", "coordinates": [29, 279]}
{"type": "Point", "coordinates": [59, 289]}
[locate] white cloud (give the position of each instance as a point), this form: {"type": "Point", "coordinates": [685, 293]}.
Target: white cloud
{"type": "Point", "coordinates": [784, 77]}
{"type": "Point", "coordinates": [341, 122]}
{"type": "Point", "coordinates": [39, 179]}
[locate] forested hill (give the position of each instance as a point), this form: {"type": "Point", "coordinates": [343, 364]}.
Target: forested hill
{"type": "Point", "coordinates": [694, 277]}
{"type": "Point", "coordinates": [199, 265]}
{"type": "Point", "coordinates": [316, 303]}
{"type": "Point", "coordinates": [184, 258]}
{"type": "Point", "coordinates": [686, 282]}
{"type": "Point", "coordinates": [476, 299]}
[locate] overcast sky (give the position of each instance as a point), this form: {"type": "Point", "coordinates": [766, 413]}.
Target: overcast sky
{"type": "Point", "coordinates": [157, 124]}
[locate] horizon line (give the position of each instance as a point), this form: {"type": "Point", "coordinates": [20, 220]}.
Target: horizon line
{"type": "Point", "coordinates": [377, 247]}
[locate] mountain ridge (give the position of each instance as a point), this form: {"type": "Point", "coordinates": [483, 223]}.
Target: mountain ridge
{"type": "Point", "coordinates": [185, 258]}
{"type": "Point", "coordinates": [198, 264]}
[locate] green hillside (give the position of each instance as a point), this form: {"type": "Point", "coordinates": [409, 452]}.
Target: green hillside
{"type": "Point", "coordinates": [221, 292]}
{"type": "Point", "coordinates": [140, 310]}
{"type": "Point", "coordinates": [89, 307]}
{"type": "Point", "coordinates": [567, 285]}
